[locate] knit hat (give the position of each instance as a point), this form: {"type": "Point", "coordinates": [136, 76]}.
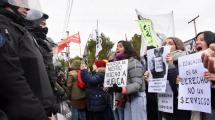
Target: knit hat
{"type": "Point", "coordinates": [100, 63]}
{"type": "Point", "coordinates": [209, 37]}
{"type": "Point", "coordinates": [76, 64]}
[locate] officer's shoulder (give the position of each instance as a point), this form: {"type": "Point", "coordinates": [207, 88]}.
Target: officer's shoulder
{"type": "Point", "coordinates": [4, 21]}
{"type": "Point", "coordinates": [2, 39]}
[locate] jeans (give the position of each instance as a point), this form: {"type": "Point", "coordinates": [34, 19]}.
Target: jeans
{"type": "Point", "coordinates": [78, 114]}
{"type": "Point", "coordinates": [118, 114]}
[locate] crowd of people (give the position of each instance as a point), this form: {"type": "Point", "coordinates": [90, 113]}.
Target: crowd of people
{"type": "Point", "coordinates": [32, 88]}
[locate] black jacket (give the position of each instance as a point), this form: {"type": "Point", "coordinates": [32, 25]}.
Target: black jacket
{"type": "Point", "coordinates": [46, 51]}
{"type": "Point", "coordinates": [25, 90]}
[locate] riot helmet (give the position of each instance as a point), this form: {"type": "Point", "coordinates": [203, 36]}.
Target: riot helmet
{"type": "Point", "coordinates": [33, 6]}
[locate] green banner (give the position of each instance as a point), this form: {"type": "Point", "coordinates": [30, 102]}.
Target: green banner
{"type": "Point", "coordinates": [147, 32]}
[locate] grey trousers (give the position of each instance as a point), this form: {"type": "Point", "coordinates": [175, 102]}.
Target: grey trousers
{"type": "Point", "coordinates": [135, 107]}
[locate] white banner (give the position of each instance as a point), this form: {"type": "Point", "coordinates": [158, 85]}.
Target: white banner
{"type": "Point", "coordinates": [165, 100]}
{"type": "Point", "coordinates": [194, 89]}
{"type": "Point", "coordinates": [163, 24]}
{"type": "Point", "coordinates": [157, 68]}
{"type": "Point", "coordinates": [116, 73]}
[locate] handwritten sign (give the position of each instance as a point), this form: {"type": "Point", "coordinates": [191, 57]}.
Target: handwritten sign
{"type": "Point", "coordinates": [165, 100]}
{"type": "Point", "coordinates": [116, 73]}
{"type": "Point", "coordinates": [194, 89]}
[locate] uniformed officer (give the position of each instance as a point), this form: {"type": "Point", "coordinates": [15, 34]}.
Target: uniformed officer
{"type": "Point", "coordinates": [39, 30]}
{"type": "Point", "coordinates": [25, 90]}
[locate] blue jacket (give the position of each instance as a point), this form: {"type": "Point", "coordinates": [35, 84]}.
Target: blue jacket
{"type": "Point", "coordinates": [96, 97]}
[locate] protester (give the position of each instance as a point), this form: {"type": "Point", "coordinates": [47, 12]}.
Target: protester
{"type": "Point", "coordinates": [96, 96]}
{"type": "Point", "coordinates": [177, 50]}
{"type": "Point", "coordinates": [38, 28]}
{"type": "Point", "coordinates": [25, 88]}
{"type": "Point", "coordinates": [77, 95]}
{"type": "Point", "coordinates": [203, 41]}
{"type": "Point", "coordinates": [152, 104]}
{"type": "Point", "coordinates": [135, 106]}
{"type": "Point", "coordinates": [118, 108]}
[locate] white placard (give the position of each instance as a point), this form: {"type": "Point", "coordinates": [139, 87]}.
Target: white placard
{"type": "Point", "coordinates": [165, 100]}
{"type": "Point", "coordinates": [194, 89]}
{"type": "Point", "coordinates": [157, 68]}
{"type": "Point", "coordinates": [116, 72]}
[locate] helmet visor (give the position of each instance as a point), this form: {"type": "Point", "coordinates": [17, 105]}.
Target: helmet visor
{"type": "Point", "coordinates": [34, 7]}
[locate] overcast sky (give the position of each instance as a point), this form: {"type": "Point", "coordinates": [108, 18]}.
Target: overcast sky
{"type": "Point", "coordinates": [117, 17]}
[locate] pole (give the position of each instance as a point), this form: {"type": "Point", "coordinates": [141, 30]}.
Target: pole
{"type": "Point", "coordinates": [194, 22]}
{"type": "Point", "coordinates": [80, 45]}
{"type": "Point", "coordinates": [67, 48]}
{"type": "Point", "coordinates": [126, 39]}
{"type": "Point", "coordinates": [97, 38]}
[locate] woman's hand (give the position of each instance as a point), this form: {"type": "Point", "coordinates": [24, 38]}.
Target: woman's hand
{"type": "Point", "coordinates": [52, 117]}
{"type": "Point", "coordinates": [146, 76]}
{"type": "Point", "coordinates": [208, 58]}
{"type": "Point", "coordinates": [169, 58]}
{"type": "Point", "coordinates": [209, 76]}
{"type": "Point", "coordinates": [83, 66]}
{"type": "Point", "coordinates": [178, 79]}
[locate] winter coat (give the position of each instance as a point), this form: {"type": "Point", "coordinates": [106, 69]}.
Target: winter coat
{"type": "Point", "coordinates": [25, 88]}
{"type": "Point", "coordinates": [96, 97]}
{"type": "Point", "coordinates": [77, 95]}
{"type": "Point", "coordinates": [171, 76]}
{"type": "Point", "coordinates": [135, 82]}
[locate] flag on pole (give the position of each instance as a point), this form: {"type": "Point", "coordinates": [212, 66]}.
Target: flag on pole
{"type": "Point", "coordinates": [85, 55]}
{"type": "Point", "coordinates": [148, 32]}
{"type": "Point", "coordinates": [62, 44]}
{"type": "Point", "coordinates": [158, 26]}
{"type": "Point", "coordinates": [98, 43]}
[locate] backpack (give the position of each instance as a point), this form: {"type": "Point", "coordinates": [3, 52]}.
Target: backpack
{"type": "Point", "coordinates": [80, 83]}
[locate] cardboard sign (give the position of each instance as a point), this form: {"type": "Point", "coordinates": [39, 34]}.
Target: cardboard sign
{"type": "Point", "coordinates": [165, 100]}
{"type": "Point", "coordinates": [194, 89]}
{"type": "Point", "coordinates": [116, 73]}
{"type": "Point", "coordinates": [157, 68]}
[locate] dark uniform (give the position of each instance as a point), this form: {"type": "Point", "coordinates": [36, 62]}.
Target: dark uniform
{"type": "Point", "coordinates": [25, 90]}
{"type": "Point", "coordinates": [45, 47]}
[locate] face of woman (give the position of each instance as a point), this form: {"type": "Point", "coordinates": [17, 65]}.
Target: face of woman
{"type": "Point", "coordinates": [201, 43]}
{"type": "Point", "coordinates": [170, 42]}
{"type": "Point", "coordinates": [120, 49]}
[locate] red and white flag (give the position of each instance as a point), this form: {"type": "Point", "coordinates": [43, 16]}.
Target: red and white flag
{"type": "Point", "coordinates": [62, 44]}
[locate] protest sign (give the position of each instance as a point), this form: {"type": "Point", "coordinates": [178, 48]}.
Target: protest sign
{"type": "Point", "coordinates": [157, 68]}
{"type": "Point", "coordinates": [165, 100]}
{"type": "Point", "coordinates": [194, 89]}
{"type": "Point", "coordinates": [116, 73]}
{"type": "Point", "coordinates": [190, 46]}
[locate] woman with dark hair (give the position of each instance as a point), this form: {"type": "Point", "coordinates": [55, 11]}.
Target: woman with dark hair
{"type": "Point", "coordinates": [203, 41]}
{"type": "Point", "coordinates": [135, 106]}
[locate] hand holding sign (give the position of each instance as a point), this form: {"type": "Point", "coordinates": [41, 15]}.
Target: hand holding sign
{"type": "Point", "coordinates": [115, 88]}
{"type": "Point", "coordinates": [209, 59]}
{"type": "Point", "coordinates": [169, 58]}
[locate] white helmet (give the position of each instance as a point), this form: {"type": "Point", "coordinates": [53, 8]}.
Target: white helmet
{"type": "Point", "coordinates": [34, 7]}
